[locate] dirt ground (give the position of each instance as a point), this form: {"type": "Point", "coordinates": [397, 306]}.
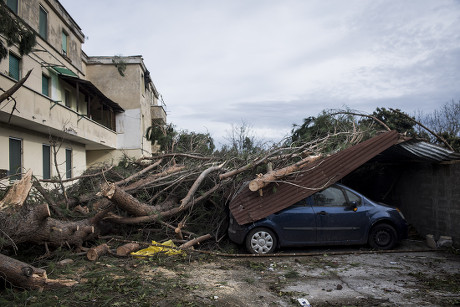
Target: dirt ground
{"type": "Point", "coordinates": [412, 276]}
{"type": "Point", "coordinates": [393, 279]}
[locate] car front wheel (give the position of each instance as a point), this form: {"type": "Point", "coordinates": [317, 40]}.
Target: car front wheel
{"type": "Point", "coordinates": [382, 236]}
{"type": "Point", "coordinates": [261, 241]}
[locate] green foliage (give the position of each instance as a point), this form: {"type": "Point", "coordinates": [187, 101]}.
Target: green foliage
{"type": "Point", "coordinates": [15, 33]}
{"type": "Point", "coordinates": [172, 140]}
{"type": "Point", "coordinates": [395, 121]}
{"type": "Point", "coordinates": [163, 135]}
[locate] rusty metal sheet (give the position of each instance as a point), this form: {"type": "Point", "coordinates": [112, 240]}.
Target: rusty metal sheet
{"type": "Point", "coordinates": [249, 206]}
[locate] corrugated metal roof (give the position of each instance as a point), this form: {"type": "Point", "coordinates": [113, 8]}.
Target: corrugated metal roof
{"type": "Point", "coordinates": [428, 152]}
{"type": "Point", "coordinates": [249, 206]}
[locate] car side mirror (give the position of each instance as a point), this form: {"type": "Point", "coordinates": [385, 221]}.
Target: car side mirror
{"type": "Point", "coordinates": [353, 205]}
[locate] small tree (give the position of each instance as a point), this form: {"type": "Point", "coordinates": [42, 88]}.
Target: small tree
{"type": "Point", "coordinates": [445, 122]}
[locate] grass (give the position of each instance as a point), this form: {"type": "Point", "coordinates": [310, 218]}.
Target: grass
{"type": "Point", "coordinates": [113, 282]}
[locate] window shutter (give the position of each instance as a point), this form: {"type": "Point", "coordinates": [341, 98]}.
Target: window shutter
{"type": "Point", "coordinates": [46, 162]}
{"type": "Point", "coordinates": [15, 158]}
{"type": "Point", "coordinates": [14, 67]}
{"type": "Point", "coordinates": [45, 85]}
{"type": "Point", "coordinates": [68, 163]}
{"type": "Point", "coordinates": [43, 23]}
{"type": "Point", "coordinates": [13, 5]}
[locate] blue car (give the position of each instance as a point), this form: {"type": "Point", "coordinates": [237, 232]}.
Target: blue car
{"type": "Point", "coordinates": [335, 216]}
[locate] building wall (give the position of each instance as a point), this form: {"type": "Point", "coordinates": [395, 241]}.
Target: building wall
{"type": "Point", "coordinates": [430, 198]}
{"type": "Point", "coordinates": [132, 94]}
{"type": "Point", "coordinates": [32, 154]}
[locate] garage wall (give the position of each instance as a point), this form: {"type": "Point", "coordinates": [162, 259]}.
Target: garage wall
{"type": "Point", "coordinates": [429, 197]}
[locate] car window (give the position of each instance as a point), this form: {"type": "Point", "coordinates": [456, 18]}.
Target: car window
{"type": "Point", "coordinates": [352, 197]}
{"type": "Point", "coordinates": [300, 203]}
{"type": "Point", "coordinates": [331, 196]}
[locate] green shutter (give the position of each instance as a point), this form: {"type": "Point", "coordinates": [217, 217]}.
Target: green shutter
{"type": "Point", "coordinates": [43, 23]}
{"type": "Point", "coordinates": [13, 5]}
{"type": "Point", "coordinates": [14, 67]}
{"type": "Point", "coordinates": [15, 158]}
{"type": "Point", "coordinates": [68, 163]}
{"type": "Point", "coordinates": [46, 162]}
{"type": "Point", "coordinates": [45, 85]}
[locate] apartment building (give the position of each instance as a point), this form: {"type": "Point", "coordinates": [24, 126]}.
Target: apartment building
{"type": "Point", "coordinates": [74, 110]}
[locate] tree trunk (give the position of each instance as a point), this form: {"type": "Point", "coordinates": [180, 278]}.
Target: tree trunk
{"type": "Point", "coordinates": [266, 179]}
{"type": "Point", "coordinates": [26, 276]}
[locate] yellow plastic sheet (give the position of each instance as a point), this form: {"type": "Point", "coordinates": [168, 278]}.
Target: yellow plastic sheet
{"type": "Point", "coordinates": [164, 248]}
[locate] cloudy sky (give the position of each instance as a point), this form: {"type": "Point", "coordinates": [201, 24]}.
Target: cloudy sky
{"type": "Point", "coordinates": [271, 63]}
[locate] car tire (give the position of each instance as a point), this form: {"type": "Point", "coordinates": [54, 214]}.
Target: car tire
{"type": "Point", "coordinates": [382, 236]}
{"type": "Point", "coordinates": [261, 241]}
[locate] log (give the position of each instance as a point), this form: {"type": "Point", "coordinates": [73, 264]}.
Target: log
{"type": "Point", "coordinates": [17, 194]}
{"type": "Point", "coordinates": [195, 241]}
{"type": "Point", "coordinates": [126, 249]}
{"type": "Point", "coordinates": [94, 253]}
{"type": "Point", "coordinates": [264, 180]}
{"type": "Point", "coordinates": [26, 276]}
{"type": "Point", "coordinates": [125, 201]}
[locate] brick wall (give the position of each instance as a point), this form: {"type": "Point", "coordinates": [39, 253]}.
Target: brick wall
{"type": "Point", "coordinates": [429, 197]}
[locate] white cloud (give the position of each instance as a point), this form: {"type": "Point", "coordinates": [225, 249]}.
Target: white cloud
{"type": "Point", "coordinates": [273, 63]}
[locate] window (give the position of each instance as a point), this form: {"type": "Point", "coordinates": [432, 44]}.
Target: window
{"type": "Point", "coordinates": [353, 198]}
{"type": "Point", "coordinates": [68, 163]}
{"type": "Point", "coordinates": [13, 5]}
{"type": "Point", "coordinates": [67, 98]}
{"type": "Point", "coordinates": [14, 67]}
{"type": "Point", "coordinates": [45, 85]}
{"type": "Point", "coordinates": [46, 150]}
{"type": "Point", "coordinates": [65, 42]}
{"type": "Point", "coordinates": [331, 196]}
{"type": "Point", "coordinates": [15, 158]}
{"type": "Point", "coordinates": [43, 23]}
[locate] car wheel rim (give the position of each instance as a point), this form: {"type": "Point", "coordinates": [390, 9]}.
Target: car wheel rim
{"type": "Point", "coordinates": [382, 238]}
{"type": "Point", "coordinates": [261, 242]}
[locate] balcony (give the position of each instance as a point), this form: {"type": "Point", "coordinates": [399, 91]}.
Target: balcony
{"type": "Point", "coordinates": [39, 113]}
{"type": "Point", "coordinates": [158, 114]}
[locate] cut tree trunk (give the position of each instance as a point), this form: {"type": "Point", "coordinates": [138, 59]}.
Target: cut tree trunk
{"type": "Point", "coordinates": [94, 253]}
{"type": "Point", "coordinates": [126, 249]}
{"type": "Point", "coordinates": [264, 180]}
{"type": "Point", "coordinates": [26, 276]}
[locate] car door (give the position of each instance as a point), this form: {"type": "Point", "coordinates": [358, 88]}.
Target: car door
{"type": "Point", "coordinates": [296, 225]}
{"type": "Point", "coordinates": [340, 216]}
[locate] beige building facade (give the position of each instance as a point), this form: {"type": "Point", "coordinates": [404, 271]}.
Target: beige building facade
{"type": "Point", "coordinates": [73, 110]}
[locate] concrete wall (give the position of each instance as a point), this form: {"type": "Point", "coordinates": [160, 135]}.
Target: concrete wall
{"type": "Point", "coordinates": [429, 197]}
{"type": "Point", "coordinates": [32, 152]}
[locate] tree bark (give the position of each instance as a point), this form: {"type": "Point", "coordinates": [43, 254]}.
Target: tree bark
{"type": "Point", "coordinates": [266, 179]}
{"type": "Point", "coordinates": [126, 249]}
{"type": "Point", "coordinates": [94, 253]}
{"type": "Point", "coordinates": [18, 193]}
{"type": "Point", "coordinates": [26, 276]}
{"type": "Point", "coordinates": [14, 88]}
{"type": "Point", "coordinates": [197, 183]}
{"type": "Point", "coordinates": [195, 241]}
